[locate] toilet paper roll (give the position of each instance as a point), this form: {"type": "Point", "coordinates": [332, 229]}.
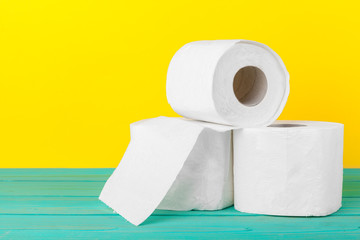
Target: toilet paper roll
{"type": "Point", "coordinates": [180, 164]}
{"type": "Point", "coordinates": [172, 163]}
{"type": "Point", "coordinates": [233, 82]}
{"type": "Point", "coordinates": [291, 168]}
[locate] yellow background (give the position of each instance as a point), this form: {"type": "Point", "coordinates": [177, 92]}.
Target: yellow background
{"type": "Point", "coordinates": [75, 74]}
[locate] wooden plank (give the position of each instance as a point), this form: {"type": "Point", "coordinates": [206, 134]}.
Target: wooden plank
{"type": "Point", "coordinates": [351, 174]}
{"type": "Point", "coordinates": [62, 203]}
{"type": "Point", "coordinates": [55, 174]}
{"type": "Point", "coordinates": [351, 189]}
{"type": "Point", "coordinates": [55, 234]}
{"type": "Point", "coordinates": [93, 188]}
{"type": "Point", "coordinates": [179, 227]}
{"type": "Point", "coordinates": [41, 188]}
{"type": "Point", "coordinates": [53, 205]}
{"type": "Point", "coordinates": [92, 174]}
{"type": "Point", "coordinates": [91, 206]}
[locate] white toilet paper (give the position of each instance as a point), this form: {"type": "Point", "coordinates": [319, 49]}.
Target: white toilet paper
{"type": "Point", "coordinates": [291, 168]}
{"type": "Point", "coordinates": [177, 163]}
{"type": "Point", "coordinates": [233, 82]}
{"type": "Point", "coordinates": [180, 164]}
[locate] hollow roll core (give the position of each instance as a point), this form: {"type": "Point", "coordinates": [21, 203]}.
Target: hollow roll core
{"type": "Point", "coordinates": [250, 86]}
{"type": "Point", "coordinates": [286, 125]}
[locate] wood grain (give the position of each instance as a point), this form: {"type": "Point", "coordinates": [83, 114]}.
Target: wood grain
{"type": "Point", "coordinates": [63, 204]}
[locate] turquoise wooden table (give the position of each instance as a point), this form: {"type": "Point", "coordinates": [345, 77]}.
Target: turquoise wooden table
{"type": "Point", "coordinates": [63, 204]}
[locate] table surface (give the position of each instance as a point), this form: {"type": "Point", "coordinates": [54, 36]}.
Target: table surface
{"type": "Point", "coordinates": [63, 204]}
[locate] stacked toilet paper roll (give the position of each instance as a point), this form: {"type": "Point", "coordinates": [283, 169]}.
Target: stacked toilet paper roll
{"type": "Point", "coordinates": [230, 87]}
{"type": "Point", "coordinates": [171, 163]}
{"type": "Point", "coordinates": [231, 82]}
{"type": "Point", "coordinates": [291, 168]}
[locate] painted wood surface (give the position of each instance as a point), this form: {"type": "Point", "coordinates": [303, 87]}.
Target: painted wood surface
{"type": "Point", "coordinates": [63, 204]}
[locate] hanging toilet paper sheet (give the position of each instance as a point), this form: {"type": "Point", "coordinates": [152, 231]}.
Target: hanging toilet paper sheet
{"type": "Point", "coordinates": [180, 164]}
{"type": "Point", "coordinates": [233, 82]}
{"type": "Point", "coordinates": [292, 168]}
{"type": "Point", "coordinates": [172, 163]}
